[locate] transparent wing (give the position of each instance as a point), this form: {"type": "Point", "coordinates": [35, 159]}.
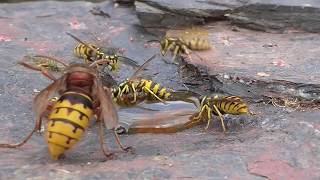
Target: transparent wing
{"type": "Point", "coordinates": [108, 112]}
{"type": "Point", "coordinates": [158, 118]}
{"type": "Point", "coordinates": [41, 101]}
{"type": "Point", "coordinates": [189, 33]}
{"type": "Point", "coordinates": [142, 67]}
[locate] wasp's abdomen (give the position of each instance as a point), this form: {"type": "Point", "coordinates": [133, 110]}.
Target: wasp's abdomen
{"type": "Point", "coordinates": [197, 43]}
{"type": "Point", "coordinates": [156, 88]}
{"type": "Point", "coordinates": [232, 105]}
{"type": "Point", "coordinates": [85, 52]}
{"type": "Point", "coordinates": [68, 120]}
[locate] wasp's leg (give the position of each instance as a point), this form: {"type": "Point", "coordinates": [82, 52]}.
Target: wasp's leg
{"type": "Point", "coordinates": [172, 45]}
{"type": "Point", "coordinates": [134, 93]}
{"type": "Point", "coordinates": [105, 150]}
{"type": "Point", "coordinates": [203, 107]}
{"type": "Point", "coordinates": [209, 115]}
{"type": "Point", "coordinates": [157, 97]}
{"type": "Point", "coordinates": [37, 127]}
{"type": "Point", "coordinates": [220, 117]}
{"type": "Point", "coordinates": [125, 89]}
{"type": "Point", "coordinates": [186, 51]}
{"type": "Point", "coordinates": [193, 122]}
{"type": "Point", "coordinates": [117, 138]}
{"type": "Point", "coordinates": [165, 51]}
{"type": "Point", "coordinates": [175, 53]}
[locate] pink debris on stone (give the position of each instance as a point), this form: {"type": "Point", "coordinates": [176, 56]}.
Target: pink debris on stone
{"type": "Point", "coordinates": [5, 38]}
{"type": "Point", "coordinates": [279, 63]}
{"type": "Point", "coordinates": [115, 31]}
{"type": "Point", "coordinates": [122, 50]}
{"type": "Point", "coordinates": [263, 74]}
{"type": "Point", "coordinates": [76, 25]}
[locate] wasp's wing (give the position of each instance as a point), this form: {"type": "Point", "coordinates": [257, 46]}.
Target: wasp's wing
{"type": "Point", "coordinates": [193, 32]}
{"type": "Point", "coordinates": [41, 101]}
{"type": "Point", "coordinates": [162, 122]}
{"type": "Point", "coordinates": [108, 112]}
{"type": "Point", "coordinates": [128, 61]}
{"type": "Point", "coordinates": [82, 42]}
{"type": "Point", "coordinates": [142, 67]}
{"type": "Point", "coordinates": [105, 47]}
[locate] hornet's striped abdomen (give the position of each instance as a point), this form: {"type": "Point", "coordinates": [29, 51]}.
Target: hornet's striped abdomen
{"type": "Point", "coordinates": [68, 120]}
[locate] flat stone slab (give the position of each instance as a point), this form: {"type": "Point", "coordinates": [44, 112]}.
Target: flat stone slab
{"type": "Point", "coordinates": [252, 59]}
{"type": "Point", "coordinates": [277, 15]}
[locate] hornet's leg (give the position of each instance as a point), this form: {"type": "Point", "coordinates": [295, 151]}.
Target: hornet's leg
{"type": "Point", "coordinates": [105, 150]}
{"type": "Point", "coordinates": [117, 138]}
{"type": "Point", "coordinates": [36, 68]}
{"type": "Point", "coordinates": [35, 129]}
{"type": "Point", "coordinates": [48, 74]}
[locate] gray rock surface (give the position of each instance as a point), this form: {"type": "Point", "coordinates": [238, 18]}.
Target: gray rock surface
{"type": "Point", "coordinates": [276, 15]}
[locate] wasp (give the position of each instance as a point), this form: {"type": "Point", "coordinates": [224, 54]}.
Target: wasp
{"type": "Point", "coordinates": [81, 96]}
{"type": "Point", "coordinates": [135, 90]}
{"type": "Point", "coordinates": [218, 106]}
{"type": "Point", "coordinates": [44, 64]}
{"type": "Point", "coordinates": [178, 42]}
{"type": "Point", "coordinates": [207, 106]}
{"type": "Point", "coordinates": [91, 53]}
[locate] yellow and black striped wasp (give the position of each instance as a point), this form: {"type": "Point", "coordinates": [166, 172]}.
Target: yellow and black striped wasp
{"type": "Point", "coordinates": [81, 96]}
{"type": "Point", "coordinates": [183, 41]}
{"type": "Point", "coordinates": [91, 53]}
{"type": "Point", "coordinates": [217, 105]}
{"type": "Point", "coordinates": [47, 65]}
{"type": "Point", "coordinates": [135, 90]}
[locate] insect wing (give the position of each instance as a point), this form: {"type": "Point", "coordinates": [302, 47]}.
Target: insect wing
{"type": "Point", "coordinates": [82, 42]}
{"type": "Point", "coordinates": [108, 112]}
{"type": "Point", "coordinates": [195, 32]}
{"type": "Point", "coordinates": [162, 122]}
{"type": "Point", "coordinates": [142, 67]}
{"type": "Point", "coordinates": [128, 61]}
{"type": "Point", "coordinates": [41, 101]}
